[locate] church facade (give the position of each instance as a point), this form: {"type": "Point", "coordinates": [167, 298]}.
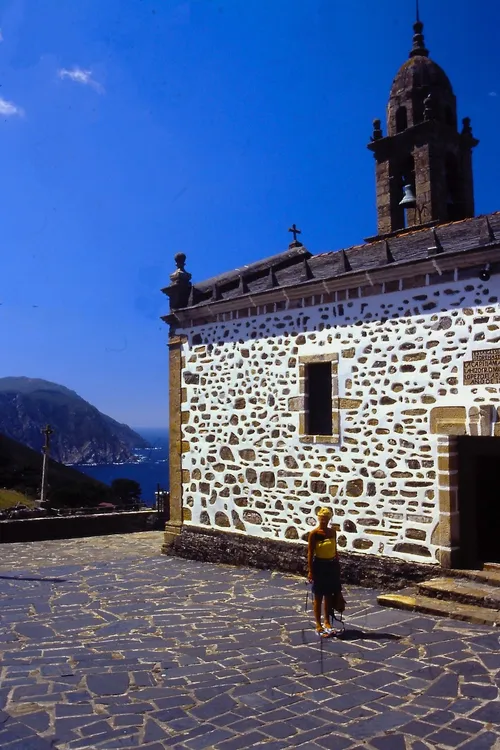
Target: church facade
{"type": "Point", "coordinates": [365, 379]}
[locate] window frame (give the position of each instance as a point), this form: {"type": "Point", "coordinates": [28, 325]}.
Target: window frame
{"type": "Point", "coordinates": [304, 436]}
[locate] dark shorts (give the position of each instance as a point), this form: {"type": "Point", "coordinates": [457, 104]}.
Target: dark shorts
{"type": "Point", "coordinates": [326, 577]}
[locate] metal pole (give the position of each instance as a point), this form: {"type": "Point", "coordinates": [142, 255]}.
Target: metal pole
{"type": "Point", "coordinates": [44, 465]}
{"type": "Point", "coordinates": [46, 448]}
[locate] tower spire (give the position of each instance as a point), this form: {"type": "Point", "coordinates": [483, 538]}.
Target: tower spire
{"type": "Point", "coordinates": [419, 47]}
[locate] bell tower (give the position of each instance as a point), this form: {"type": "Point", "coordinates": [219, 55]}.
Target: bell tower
{"type": "Point", "coordinates": [424, 163]}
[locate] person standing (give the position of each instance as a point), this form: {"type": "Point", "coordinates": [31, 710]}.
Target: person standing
{"type": "Point", "coordinates": [324, 570]}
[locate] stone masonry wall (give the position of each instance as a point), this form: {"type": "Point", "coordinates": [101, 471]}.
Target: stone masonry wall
{"type": "Point", "coordinates": [247, 468]}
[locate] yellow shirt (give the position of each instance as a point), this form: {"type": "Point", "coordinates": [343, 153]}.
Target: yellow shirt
{"type": "Point", "coordinates": [326, 548]}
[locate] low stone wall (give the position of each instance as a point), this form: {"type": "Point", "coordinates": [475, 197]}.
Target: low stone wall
{"type": "Point", "coordinates": [206, 545]}
{"type": "Point", "coordinates": [68, 527]}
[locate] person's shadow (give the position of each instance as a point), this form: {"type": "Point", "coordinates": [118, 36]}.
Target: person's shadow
{"type": "Point", "coordinates": [352, 634]}
{"type": "Point", "coordinates": [26, 578]}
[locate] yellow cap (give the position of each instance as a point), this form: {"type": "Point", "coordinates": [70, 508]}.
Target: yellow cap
{"type": "Point", "coordinates": [324, 512]}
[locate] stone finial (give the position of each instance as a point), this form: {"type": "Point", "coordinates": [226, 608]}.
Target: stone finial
{"type": "Point", "coordinates": [180, 284]}
{"type": "Point", "coordinates": [346, 262]}
{"type": "Point", "coordinates": [467, 136]}
{"type": "Point", "coordinates": [437, 247]}
{"type": "Point", "coordinates": [466, 129]}
{"type": "Point", "coordinates": [419, 47]}
{"type": "Point", "coordinates": [377, 130]}
{"type": "Point", "coordinates": [428, 107]}
{"type": "Point", "coordinates": [180, 260]}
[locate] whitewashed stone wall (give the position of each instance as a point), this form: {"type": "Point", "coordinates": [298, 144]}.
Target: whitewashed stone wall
{"type": "Point", "coordinates": [245, 467]}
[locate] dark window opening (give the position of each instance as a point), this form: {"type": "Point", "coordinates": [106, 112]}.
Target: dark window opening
{"type": "Point", "coordinates": [401, 119]}
{"type": "Point", "coordinates": [404, 213]}
{"type": "Point", "coordinates": [319, 399]}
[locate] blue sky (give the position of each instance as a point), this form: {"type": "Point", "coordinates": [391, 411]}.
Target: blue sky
{"type": "Point", "coordinates": [134, 129]}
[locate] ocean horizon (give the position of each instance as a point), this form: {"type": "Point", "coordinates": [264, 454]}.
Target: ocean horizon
{"type": "Point", "coordinates": [149, 470]}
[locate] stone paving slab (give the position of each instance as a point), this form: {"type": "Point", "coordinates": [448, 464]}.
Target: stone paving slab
{"type": "Point", "coordinates": [105, 643]}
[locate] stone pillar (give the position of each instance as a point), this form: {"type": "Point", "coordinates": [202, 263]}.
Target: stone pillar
{"type": "Point", "coordinates": [486, 418]}
{"type": "Point", "coordinates": [446, 534]}
{"type": "Point", "coordinates": [430, 184]}
{"type": "Point", "coordinates": [174, 525]}
{"type": "Point", "coordinates": [482, 420]}
{"type": "Point", "coordinates": [496, 421]}
{"type": "Point", "coordinates": [383, 186]}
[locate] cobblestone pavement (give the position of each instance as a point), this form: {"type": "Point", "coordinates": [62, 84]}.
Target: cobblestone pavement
{"type": "Point", "coordinates": [106, 644]}
{"type": "Point", "coordinates": [31, 556]}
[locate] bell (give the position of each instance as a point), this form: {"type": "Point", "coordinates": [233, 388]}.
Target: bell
{"type": "Point", "coordinates": [409, 200]}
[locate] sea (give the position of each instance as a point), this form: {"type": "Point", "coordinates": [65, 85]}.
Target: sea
{"type": "Point", "coordinates": [150, 469]}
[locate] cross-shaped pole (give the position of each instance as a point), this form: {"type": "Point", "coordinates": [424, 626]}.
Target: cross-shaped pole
{"type": "Point", "coordinates": [48, 431]}
{"type": "Point", "coordinates": [293, 229]}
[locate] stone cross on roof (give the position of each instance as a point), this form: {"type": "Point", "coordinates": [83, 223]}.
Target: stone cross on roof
{"type": "Point", "coordinates": [293, 229]}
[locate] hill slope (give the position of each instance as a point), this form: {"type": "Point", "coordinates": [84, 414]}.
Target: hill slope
{"type": "Point", "coordinates": [82, 434]}
{"type": "Point", "coordinates": [11, 498]}
{"type": "Point", "coordinates": [21, 469]}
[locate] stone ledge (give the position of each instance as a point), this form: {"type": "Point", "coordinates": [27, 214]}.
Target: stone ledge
{"type": "Point", "coordinates": [320, 439]}
{"type": "Point", "coordinates": [212, 546]}
{"type": "Point", "coordinates": [73, 527]}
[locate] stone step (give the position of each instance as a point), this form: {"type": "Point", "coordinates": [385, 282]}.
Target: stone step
{"type": "Point", "coordinates": [491, 566]}
{"type": "Point", "coordinates": [491, 577]}
{"type": "Point", "coordinates": [441, 608]}
{"type": "Point", "coordinates": [461, 590]}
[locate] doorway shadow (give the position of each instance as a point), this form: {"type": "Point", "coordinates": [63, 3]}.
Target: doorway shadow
{"type": "Point", "coordinates": [479, 510]}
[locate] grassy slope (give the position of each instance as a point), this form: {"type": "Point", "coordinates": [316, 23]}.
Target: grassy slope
{"type": "Point", "coordinates": [10, 498]}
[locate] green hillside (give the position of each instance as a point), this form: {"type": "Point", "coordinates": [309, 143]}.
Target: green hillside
{"type": "Point", "coordinates": [11, 498]}
{"type": "Point", "coordinates": [21, 470]}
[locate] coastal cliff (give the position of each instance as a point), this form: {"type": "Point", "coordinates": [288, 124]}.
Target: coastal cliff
{"type": "Point", "coordinates": [82, 434]}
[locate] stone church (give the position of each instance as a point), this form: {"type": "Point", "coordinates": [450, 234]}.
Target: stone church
{"type": "Point", "coordinates": [365, 379]}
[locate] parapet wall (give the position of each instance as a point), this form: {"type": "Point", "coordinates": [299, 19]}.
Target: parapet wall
{"type": "Point", "coordinates": [72, 527]}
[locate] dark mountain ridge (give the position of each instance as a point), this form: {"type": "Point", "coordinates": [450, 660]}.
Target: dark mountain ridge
{"type": "Point", "coordinates": [82, 434]}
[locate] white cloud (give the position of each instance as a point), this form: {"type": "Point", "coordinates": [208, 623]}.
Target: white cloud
{"type": "Point", "coordinates": [8, 109]}
{"type": "Point", "coordinates": [1, 36]}
{"type": "Point", "coordinates": [79, 75]}
{"type": "Point", "coordinates": [493, 93]}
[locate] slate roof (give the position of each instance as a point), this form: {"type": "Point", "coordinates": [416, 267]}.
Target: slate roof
{"type": "Point", "coordinates": [297, 265]}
